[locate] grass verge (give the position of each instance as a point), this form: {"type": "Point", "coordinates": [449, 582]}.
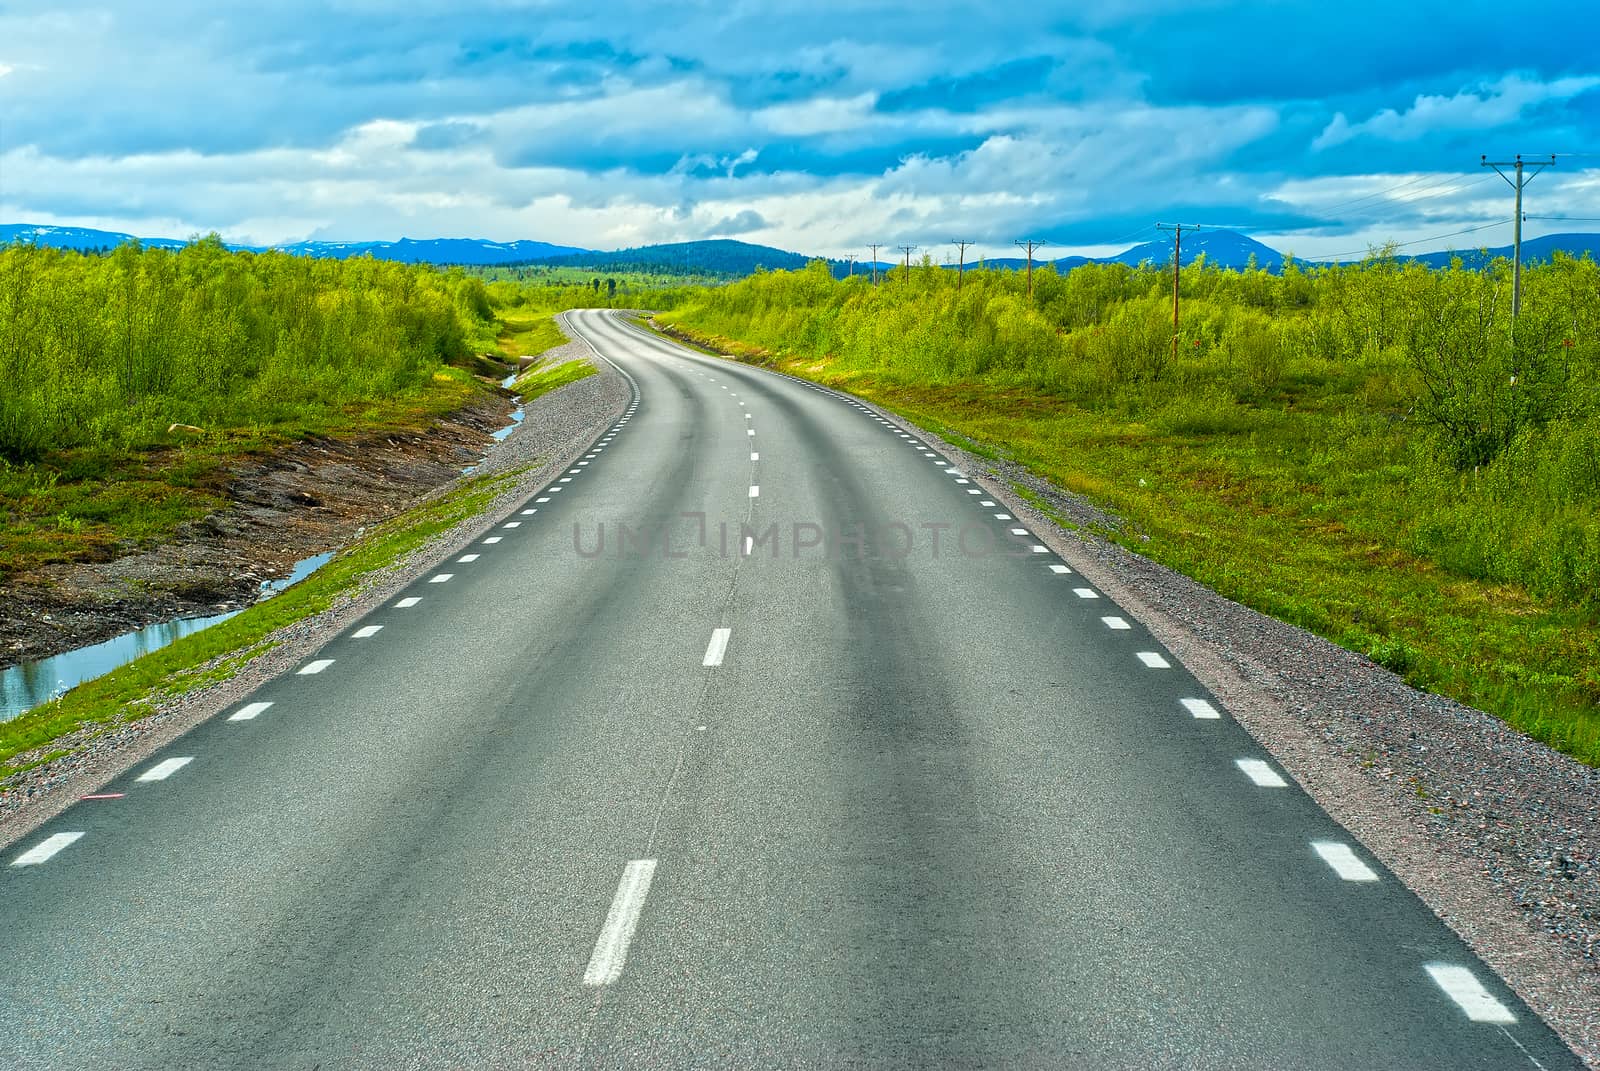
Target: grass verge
{"type": "Point", "coordinates": [537, 381]}
{"type": "Point", "coordinates": [1259, 514]}
{"type": "Point", "coordinates": [218, 653]}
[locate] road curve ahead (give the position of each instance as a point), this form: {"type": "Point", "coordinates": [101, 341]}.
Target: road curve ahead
{"type": "Point", "coordinates": [762, 737]}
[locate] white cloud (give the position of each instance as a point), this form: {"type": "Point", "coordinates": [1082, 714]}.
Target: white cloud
{"type": "Point", "coordinates": [1480, 108]}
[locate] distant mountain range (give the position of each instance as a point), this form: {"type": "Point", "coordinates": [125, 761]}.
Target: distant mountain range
{"type": "Point", "coordinates": [430, 251]}
{"type": "Point", "coordinates": [732, 259]}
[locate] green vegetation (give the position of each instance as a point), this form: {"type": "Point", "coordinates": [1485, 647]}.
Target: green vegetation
{"type": "Point", "coordinates": [537, 381]}
{"type": "Point", "coordinates": [219, 652]}
{"type": "Point", "coordinates": [1367, 451]}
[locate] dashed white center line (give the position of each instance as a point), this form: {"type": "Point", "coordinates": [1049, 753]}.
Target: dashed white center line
{"type": "Point", "coordinates": [467, 558]}
{"type": "Point", "coordinates": [755, 491]}
{"type": "Point", "coordinates": [717, 647]}
{"type": "Point", "coordinates": [1201, 709]}
{"type": "Point", "coordinates": [408, 602]}
{"type": "Point", "coordinates": [441, 578]}
{"type": "Point", "coordinates": [1153, 660]}
{"type": "Point", "coordinates": [1344, 862]}
{"type": "Point", "coordinates": [366, 632]}
{"type": "Point", "coordinates": [1059, 569]}
{"type": "Point", "coordinates": [611, 949]}
{"type": "Point", "coordinates": [750, 431]}
{"type": "Point", "coordinates": [749, 542]}
{"type": "Point", "coordinates": [315, 667]}
{"type": "Point", "coordinates": [1259, 772]}
{"type": "Point", "coordinates": [45, 849]}
{"type": "Point", "coordinates": [1116, 624]}
{"type": "Point", "coordinates": [165, 768]}
{"type": "Point", "coordinates": [1463, 987]}
{"type": "Point", "coordinates": [754, 456]}
{"type": "Point", "coordinates": [249, 711]}
{"type": "Point", "coordinates": [1086, 593]}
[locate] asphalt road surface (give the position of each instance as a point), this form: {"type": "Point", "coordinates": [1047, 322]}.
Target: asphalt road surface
{"type": "Point", "coordinates": [762, 738]}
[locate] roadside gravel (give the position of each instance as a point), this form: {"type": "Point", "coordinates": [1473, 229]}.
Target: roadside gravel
{"type": "Point", "coordinates": [556, 429]}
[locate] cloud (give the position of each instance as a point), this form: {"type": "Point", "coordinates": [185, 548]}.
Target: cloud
{"type": "Point", "coordinates": [745, 222]}
{"type": "Point", "coordinates": [1485, 107]}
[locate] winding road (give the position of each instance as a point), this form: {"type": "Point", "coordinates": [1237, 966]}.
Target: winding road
{"type": "Point", "coordinates": [762, 737]}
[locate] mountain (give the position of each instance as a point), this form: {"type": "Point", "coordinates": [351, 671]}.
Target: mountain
{"type": "Point", "coordinates": [431, 250]}
{"type": "Point", "coordinates": [437, 250]}
{"type": "Point", "coordinates": [76, 237]}
{"type": "Point", "coordinates": [1533, 250]}
{"type": "Point", "coordinates": [1226, 249]}
{"type": "Point", "coordinates": [720, 256]}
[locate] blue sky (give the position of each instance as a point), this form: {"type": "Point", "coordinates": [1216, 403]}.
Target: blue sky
{"type": "Point", "coordinates": [1319, 127]}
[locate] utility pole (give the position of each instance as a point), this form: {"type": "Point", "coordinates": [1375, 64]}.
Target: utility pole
{"type": "Point", "coordinates": [1516, 235]}
{"type": "Point", "coordinates": [874, 264]}
{"type": "Point", "coordinates": [1030, 245]}
{"type": "Point", "coordinates": [1177, 266]}
{"type": "Point", "coordinates": [850, 258]}
{"type": "Point", "coordinates": [907, 250]}
{"type": "Point", "coordinates": [961, 265]}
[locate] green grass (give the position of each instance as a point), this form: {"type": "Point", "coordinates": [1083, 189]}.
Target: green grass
{"type": "Point", "coordinates": [537, 381]}
{"type": "Point", "coordinates": [1295, 509]}
{"type": "Point", "coordinates": [218, 653]}
{"type": "Point", "coordinates": [529, 334]}
{"type": "Point", "coordinates": [94, 502]}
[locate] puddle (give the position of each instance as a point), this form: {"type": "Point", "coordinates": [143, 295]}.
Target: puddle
{"type": "Point", "coordinates": [28, 684]}
{"type": "Point", "coordinates": [516, 418]}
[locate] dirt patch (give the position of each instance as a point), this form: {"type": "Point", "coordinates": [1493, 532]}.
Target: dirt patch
{"type": "Point", "coordinates": [307, 498]}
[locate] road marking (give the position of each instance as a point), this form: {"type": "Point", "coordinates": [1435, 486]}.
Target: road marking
{"type": "Point", "coordinates": [611, 950]}
{"type": "Point", "coordinates": [717, 647]}
{"type": "Point", "coordinates": [1059, 569]}
{"type": "Point", "coordinates": [963, 480]}
{"type": "Point", "coordinates": [1263, 775]}
{"type": "Point", "coordinates": [575, 472]}
{"type": "Point", "coordinates": [1116, 624]}
{"type": "Point", "coordinates": [974, 491]}
{"type": "Point", "coordinates": [589, 455]}
{"type": "Point", "coordinates": [1038, 549]}
{"type": "Point", "coordinates": [512, 524]}
{"type": "Point", "coordinates": [749, 416]}
{"type": "Point", "coordinates": [554, 490]}
{"type": "Point", "coordinates": [165, 769]}
{"type": "Point", "coordinates": [467, 559]}
{"type": "Point", "coordinates": [1153, 660]}
{"type": "Point", "coordinates": [492, 540]}
{"type": "Point", "coordinates": [45, 849]}
{"type": "Point", "coordinates": [1200, 709]}
{"type": "Point", "coordinates": [749, 543]}
{"type": "Point", "coordinates": [530, 512]}
{"type": "Point", "coordinates": [583, 463]}
{"type": "Point", "coordinates": [1461, 986]}
{"type": "Point", "coordinates": [1019, 531]}
{"type": "Point", "coordinates": [441, 578]}
{"type": "Point", "coordinates": [1344, 861]}
{"type": "Point", "coordinates": [954, 472]}
{"type": "Point", "coordinates": [1086, 593]}
{"type": "Point", "coordinates": [565, 479]}
{"type": "Point", "coordinates": [366, 632]}
{"type": "Point", "coordinates": [754, 456]}
{"type": "Point", "coordinates": [1002, 516]}
{"type": "Point", "coordinates": [750, 431]}
{"type": "Point", "coordinates": [249, 711]}
{"type": "Point", "coordinates": [755, 491]}
{"type": "Point", "coordinates": [105, 796]}
{"type": "Point", "coordinates": [985, 502]}
{"type": "Point", "coordinates": [315, 667]}
{"type": "Point", "coordinates": [541, 500]}
{"type": "Point", "coordinates": [407, 603]}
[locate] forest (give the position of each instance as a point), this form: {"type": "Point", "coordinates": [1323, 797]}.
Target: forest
{"type": "Point", "coordinates": [1378, 452]}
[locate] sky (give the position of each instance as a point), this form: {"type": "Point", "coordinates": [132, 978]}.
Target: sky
{"type": "Point", "coordinates": [1320, 128]}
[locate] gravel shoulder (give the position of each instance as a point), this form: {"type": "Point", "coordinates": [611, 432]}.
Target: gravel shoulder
{"type": "Point", "coordinates": [556, 429]}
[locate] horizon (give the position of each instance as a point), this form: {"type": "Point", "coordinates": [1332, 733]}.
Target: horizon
{"type": "Point", "coordinates": [778, 129]}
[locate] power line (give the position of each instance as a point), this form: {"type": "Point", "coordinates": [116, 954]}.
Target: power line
{"type": "Point", "coordinates": [874, 249]}
{"type": "Point", "coordinates": [1522, 180]}
{"type": "Point", "coordinates": [907, 250]}
{"type": "Point", "coordinates": [1568, 219]}
{"type": "Point", "coordinates": [961, 265]}
{"type": "Point", "coordinates": [1420, 241]}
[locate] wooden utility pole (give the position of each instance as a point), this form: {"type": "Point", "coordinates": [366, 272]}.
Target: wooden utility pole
{"type": "Point", "coordinates": [1177, 265]}
{"type": "Point", "coordinates": [907, 250]}
{"type": "Point", "coordinates": [1030, 245]}
{"type": "Point", "coordinates": [1516, 233]}
{"type": "Point", "coordinates": [850, 258]}
{"type": "Point", "coordinates": [961, 265]}
{"type": "Point", "coordinates": [874, 264]}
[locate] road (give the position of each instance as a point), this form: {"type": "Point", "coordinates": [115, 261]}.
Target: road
{"type": "Point", "coordinates": [618, 789]}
